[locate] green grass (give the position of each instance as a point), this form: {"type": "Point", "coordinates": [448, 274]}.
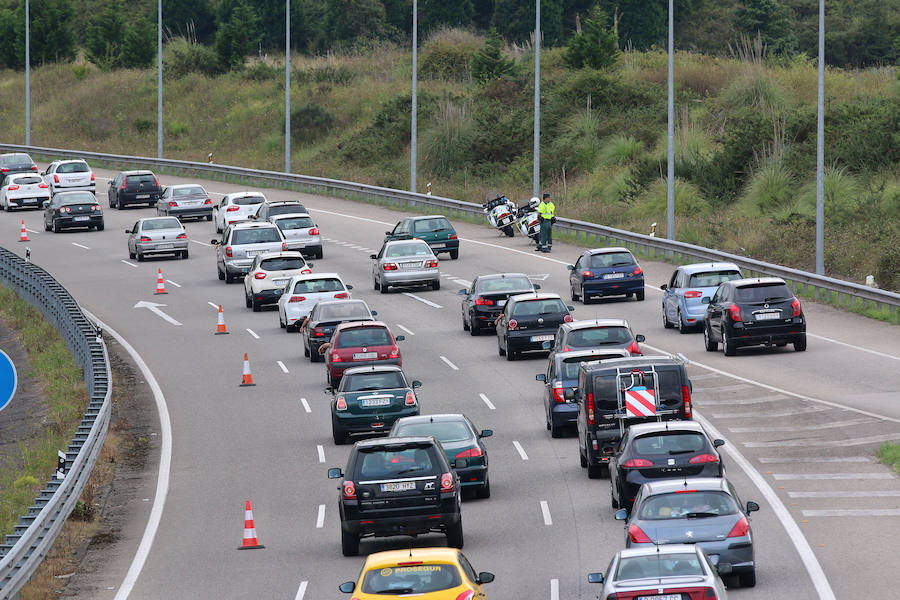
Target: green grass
{"type": "Point", "coordinates": [889, 454]}
{"type": "Point", "coordinates": [66, 399]}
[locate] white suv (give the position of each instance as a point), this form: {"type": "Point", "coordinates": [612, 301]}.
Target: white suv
{"type": "Point", "coordinates": [69, 175]}
{"type": "Point", "coordinates": [268, 275]}
{"type": "Point", "coordinates": [236, 207]}
{"type": "Point", "coordinates": [303, 292]}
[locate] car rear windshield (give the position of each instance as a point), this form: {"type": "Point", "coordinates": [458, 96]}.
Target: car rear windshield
{"type": "Point", "coordinates": [504, 284]}
{"type": "Point", "coordinates": [135, 180]}
{"type": "Point", "coordinates": [569, 367]}
{"type": "Point", "coordinates": [194, 190]}
{"type": "Point", "coordinates": [385, 464]}
{"type": "Point", "coordinates": [259, 235]}
{"type": "Point", "coordinates": [286, 209]}
{"type": "Point", "coordinates": [282, 263]}
{"type": "Point", "coordinates": [670, 443]}
{"type": "Point", "coordinates": [364, 336]}
{"type": "Point", "coordinates": [248, 200]}
{"type": "Point", "coordinates": [86, 198]}
{"type": "Point", "coordinates": [685, 504]}
{"type": "Point", "coordinates": [397, 250]}
{"type": "Point", "coordinates": [767, 292]}
{"type": "Point", "coordinates": [444, 431]}
{"type": "Point", "coordinates": [292, 223]}
{"type": "Point", "coordinates": [16, 159]}
{"type": "Point", "coordinates": [605, 387]}
{"type": "Point", "coordinates": [312, 286]}
{"type": "Point", "coordinates": [167, 223]}
{"type": "Point", "coordinates": [411, 579]}
{"type": "Point", "coordinates": [598, 336]}
{"type": "Point", "coordinates": [73, 167]}
{"type": "Point", "coordinates": [362, 382]}
{"type": "Point", "coordinates": [343, 310]}
{"type": "Point", "coordinates": [432, 225]}
{"type": "Point", "coordinates": [658, 565]}
{"type": "Point", "coordinates": [712, 278]}
{"type": "Point", "coordinates": [533, 308]}
{"type": "Point", "coordinates": [30, 179]}
{"type": "Point", "coordinates": [611, 259]}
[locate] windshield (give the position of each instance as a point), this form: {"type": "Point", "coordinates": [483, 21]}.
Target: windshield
{"type": "Point", "coordinates": [658, 565]}
{"type": "Point", "coordinates": [16, 159]}
{"type": "Point", "coordinates": [167, 223]}
{"type": "Point", "coordinates": [687, 504]}
{"type": "Point", "coordinates": [76, 198]}
{"type": "Point", "coordinates": [312, 286]}
{"type": "Point", "coordinates": [411, 579]}
{"type": "Point", "coordinates": [258, 235]}
{"type": "Point", "coordinates": [343, 310]}
{"type": "Point", "coordinates": [444, 431]}
{"type": "Point", "coordinates": [282, 263]}
{"type": "Point", "coordinates": [361, 382]}
{"type": "Point", "coordinates": [139, 179]}
{"type": "Point", "coordinates": [363, 336]}
{"type": "Point", "coordinates": [503, 284]}
{"type": "Point", "coordinates": [418, 249]}
{"type": "Point", "coordinates": [533, 308]}
{"type": "Point", "coordinates": [763, 293]}
{"type": "Point", "coordinates": [73, 167]}
{"type": "Point", "coordinates": [598, 336]}
{"type": "Point", "coordinates": [712, 278]}
{"type": "Point", "coordinates": [611, 259]}
{"type": "Point", "coordinates": [670, 443]}
{"type": "Point", "coordinates": [291, 223]}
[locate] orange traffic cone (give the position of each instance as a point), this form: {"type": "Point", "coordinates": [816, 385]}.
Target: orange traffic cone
{"type": "Point", "coordinates": [160, 283]}
{"type": "Point", "coordinates": [220, 325]}
{"type": "Point", "coordinates": [249, 542]}
{"type": "Point", "coordinates": [247, 379]}
{"type": "Point", "coordinates": [23, 233]}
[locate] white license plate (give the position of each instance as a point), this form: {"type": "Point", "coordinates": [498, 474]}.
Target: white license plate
{"type": "Point", "coordinates": [661, 597]}
{"type": "Point", "coordinates": [29, 200]}
{"type": "Point", "coordinates": [501, 302]}
{"type": "Point", "coordinates": [768, 316]}
{"type": "Point", "coordinates": [164, 246]}
{"type": "Point", "coordinates": [370, 402]}
{"type": "Point", "coordinates": [440, 245]}
{"type": "Point", "coordinates": [279, 282]}
{"type": "Point", "coordinates": [364, 355]}
{"type": "Point", "coordinates": [410, 265]}
{"type": "Point", "coordinates": [403, 486]}
{"type": "Point", "coordinates": [250, 253]}
{"type": "Point", "coordinates": [81, 219]}
{"type": "Point", "coordinates": [541, 338]}
{"type": "Point", "coordinates": [142, 196]}
{"type": "Point", "coordinates": [614, 276]}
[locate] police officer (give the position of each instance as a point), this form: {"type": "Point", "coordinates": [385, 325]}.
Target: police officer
{"type": "Point", "coordinates": [547, 215]}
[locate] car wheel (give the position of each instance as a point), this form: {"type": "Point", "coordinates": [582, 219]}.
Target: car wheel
{"type": "Point", "coordinates": [555, 432]}
{"type": "Point", "coordinates": [247, 302]}
{"type": "Point", "coordinates": [639, 296]}
{"type": "Point", "coordinates": [56, 227]}
{"type": "Point", "coordinates": [120, 206]}
{"type": "Point", "coordinates": [595, 471]}
{"type": "Point", "coordinates": [666, 323]}
{"type": "Point", "coordinates": [229, 278]}
{"type": "Point", "coordinates": [209, 217]}
{"type": "Point", "coordinates": [474, 328]}
{"type": "Point", "coordinates": [131, 255]}
{"type": "Point", "coordinates": [582, 458]}
{"type": "Point", "coordinates": [455, 535]}
{"type": "Point", "coordinates": [46, 226]}
{"type": "Point", "coordinates": [500, 349]}
{"type": "Point", "coordinates": [281, 323]}
{"type": "Point", "coordinates": [585, 299]}
{"type": "Point", "coordinates": [747, 580]}
{"type": "Point", "coordinates": [320, 253]}
{"type": "Point", "coordinates": [436, 285]}
{"type": "Point", "coordinates": [349, 543]}
{"type": "Point", "coordinates": [218, 229]}
{"type": "Point", "coordinates": [682, 327]}
{"type": "Point", "coordinates": [140, 257]}
{"type": "Point", "coordinates": [337, 435]}
{"type": "Point", "coordinates": [375, 285]}
{"type": "Point", "coordinates": [185, 254]}
{"type": "Point", "coordinates": [384, 288]}
{"type": "Point", "coordinates": [612, 499]}
{"type": "Point", "coordinates": [727, 345]}
{"type": "Point", "coordinates": [256, 305]}
{"type": "Point", "coordinates": [465, 323]}
{"type": "Point", "coordinates": [314, 356]}
{"type": "Point", "coordinates": [800, 345]}
{"type": "Point", "coordinates": [510, 353]}
{"type": "Point", "coordinates": [221, 275]}
{"type": "Point", "coordinates": [574, 295]}
{"type": "Point", "coordinates": [485, 490]}
{"type": "Point", "coordinates": [454, 254]}
{"type": "Point", "coordinates": [711, 345]}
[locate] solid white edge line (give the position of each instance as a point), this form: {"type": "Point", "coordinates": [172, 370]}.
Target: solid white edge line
{"type": "Point", "coordinates": [305, 405]}
{"type": "Point", "coordinates": [399, 326]}
{"type": "Point", "coordinates": [165, 462]}
{"type": "Point", "coordinates": [860, 348]}
{"type": "Point", "coordinates": [449, 364]}
{"type": "Point", "coordinates": [554, 589]}
{"type": "Point", "coordinates": [130, 264]}
{"type": "Point", "coordinates": [520, 449]}
{"type": "Point", "coordinates": [545, 511]}
{"type": "Point", "coordinates": [320, 450]}
{"type": "Point", "coordinates": [320, 518]}
{"type": "Point", "coordinates": [283, 368]}
{"type": "Point", "coordinates": [490, 404]}
{"type": "Point", "coordinates": [173, 283]}
{"type": "Point", "coordinates": [213, 304]}
{"type": "Point", "coordinates": [302, 591]}
{"type": "Point", "coordinates": [251, 332]}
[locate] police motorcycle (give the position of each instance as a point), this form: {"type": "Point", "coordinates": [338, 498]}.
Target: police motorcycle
{"type": "Point", "coordinates": [527, 219]}
{"type": "Point", "coordinates": [501, 213]}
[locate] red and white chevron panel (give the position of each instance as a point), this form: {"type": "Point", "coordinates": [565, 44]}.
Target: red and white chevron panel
{"type": "Point", "coordinates": [640, 403]}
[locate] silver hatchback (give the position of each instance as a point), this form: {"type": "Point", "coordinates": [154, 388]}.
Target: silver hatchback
{"type": "Point", "coordinates": [405, 263]}
{"type": "Point", "coordinates": [240, 243]}
{"type": "Point", "coordinates": [300, 232]}
{"type": "Point", "coordinates": [157, 235]}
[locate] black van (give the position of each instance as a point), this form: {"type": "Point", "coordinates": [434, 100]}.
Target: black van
{"type": "Point", "coordinates": [598, 400]}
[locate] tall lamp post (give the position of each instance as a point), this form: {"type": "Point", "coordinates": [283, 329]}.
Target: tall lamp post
{"type": "Point", "coordinates": [287, 86]}
{"type": "Point", "coordinates": [536, 168]}
{"type": "Point", "coordinates": [820, 149]}
{"type": "Point", "coordinates": [415, 77]}
{"type": "Point", "coordinates": [159, 123]}
{"type": "Point", "coordinates": [670, 149]}
{"type": "Point", "coordinates": [27, 75]}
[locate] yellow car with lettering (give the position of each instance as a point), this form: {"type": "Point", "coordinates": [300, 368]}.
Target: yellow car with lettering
{"type": "Point", "coordinates": [426, 573]}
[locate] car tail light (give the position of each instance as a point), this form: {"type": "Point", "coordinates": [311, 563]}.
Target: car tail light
{"type": "Point", "coordinates": [513, 324]}
{"type": "Point", "coordinates": [431, 264]}
{"type": "Point", "coordinates": [181, 236]}
{"type": "Point", "coordinates": [233, 208]}
{"type": "Point", "coordinates": [637, 271]}
{"type": "Point", "coordinates": [318, 332]}
{"type": "Point", "coordinates": [587, 274]}
{"type": "Point", "coordinates": [795, 307]}
{"type": "Point", "coordinates": [95, 207]}
{"type": "Point", "coordinates": [208, 201]}
{"type": "Point", "coordinates": [566, 349]}
{"type": "Point", "coordinates": [453, 237]}
{"type": "Point", "coordinates": [228, 251]}
{"type": "Point", "coordinates": [410, 399]}
{"type": "Point", "coordinates": [741, 528]}
{"type": "Point", "coordinates": [471, 453]}
{"type": "Point", "coordinates": [693, 294]}
{"type": "Point", "coordinates": [395, 351]}
{"type": "Point", "coordinates": [335, 357]}
{"type": "Point", "coordinates": [637, 463]}
{"type": "Point", "coordinates": [447, 482]}
{"type": "Point", "coordinates": [637, 535]}
{"type": "Point", "coordinates": [173, 204]}
{"type": "Point", "coordinates": [65, 209]}
{"type": "Point", "coordinates": [702, 459]}
{"type": "Point", "coordinates": [145, 238]}
{"type": "Point", "coordinates": [33, 167]}
{"type": "Point", "coordinates": [306, 271]}
{"type": "Point", "coordinates": [735, 311]}
{"type": "Point", "coordinates": [389, 267]}
{"type": "Point", "coordinates": [341, 403]}
{"type": "Point", "coordinates": [342, 295]}
{"type": "Point", "coordinates": [55, 178]}
{"type": "Point", "coordinates": [15, 187]}
{"type": "Point", "coordinates": [349, 491]}
{"type": "Point", "coordinates": [634, 349]}
{"type": "Point", "coordinates": [259, 275]}
{"type": "Point", "coordinates": [124, 183]}
{"type": "Point", "coordinates": [479, 301]}
{"type": "Point", "coordinates": [467, 595]}
{"type": "Point", "coordinates": [92, 176]}
{"type": "Point", "coordinates": [567, 318]}
{"type": "Point", "coordinates": [589, 404]}
{"type": "Point", "coordinates": [314, 231]}
{"type": "Point", "coordinates": [43, 186]}
{"type": "Point", "coordinates": [686, 400]}
{"type": "Point", "coordinates": [284, 247]}
{"type": "Point", "coordinates": [297, 299]}
{"type": "Point", "coordinates": [559, 394]}
{"type": "Point", "coordinates": [4, 170]}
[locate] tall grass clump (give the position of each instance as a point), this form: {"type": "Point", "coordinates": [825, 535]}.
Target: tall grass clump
{"type": "Point", "coordinates": [770, 188]}
{"type": "Point", "coordinates": [445, 144]}
{"type": "Point", "coordinates": [620, 150]}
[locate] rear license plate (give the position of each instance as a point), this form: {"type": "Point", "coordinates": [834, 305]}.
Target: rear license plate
{"type": "Point", "coordinates": [541, 338]}
{"type": "Point", "coordinates": [661, 597]}
{"type": "Point", "coordinates": [405, 486]}
{"type": "Point", "coordinates": [142, 197]}
{"type": "Point", "coordinates": [81, 219]}
{"type": "Point", "coordinates": [616, 276]}
{"type": "Point", "coordinates": [439, 245]}
{"type": "Point", "coordinates": [768, 316]}
{"type": "Point", "coordinates": [29, 200]}
{"type": "Point", "coordinates": [164, 246]}
{"type": "Point", "coordinates": [279, 282]}
{"type": "Point", "coordinates": [370, 402]}
{"type": "Point", "coordinates": [364, 355]}
{"type": "Point", "coordinates": [413, 265]}
{"type": "Point", "coordinates": [250, 253]}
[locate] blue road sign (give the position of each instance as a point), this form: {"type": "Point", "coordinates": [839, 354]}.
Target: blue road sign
{"type": "Point", "coordinates": [7, 379]}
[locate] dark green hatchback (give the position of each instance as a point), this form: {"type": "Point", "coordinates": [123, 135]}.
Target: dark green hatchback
{"type": "Point", "coordinates": [436, 231]}
{"type": "Point", "coordinates": [369, 400]}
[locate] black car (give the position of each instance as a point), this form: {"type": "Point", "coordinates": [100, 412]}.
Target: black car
{"type": "Point", "coordinates": [606, 272]}
{"type": "Point", "coordinates": [67, 210]}
{"type": "Point", "coordinates": [16, 162]}
{"type": "Point", "coordinates": [398, 486]}
{"type": "Point", "coordinates": [325, 317]}
{"type": "Point", "coordinates": [528, 321]}
{"type": "Point", "coordinates": [134, 187]}
{"type": "Point", "coordinates": [754, 312]}
{"type": "Point", "coordinates": [602, 399]}
{"type": "Point", "coordinates": [485, 298]}
{"type": "Point", "coordinates": [270, 209]}
{"type": "Point", "coordinates": [662, 450]}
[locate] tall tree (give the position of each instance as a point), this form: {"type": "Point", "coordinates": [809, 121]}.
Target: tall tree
{"type": "Point", "coordinates": [490, 62]}
{"type": "Point", "coordinates": [643, 23]}
{"type": "Point", "coordinates": [437, 13]}
{"type": "Point", "coordinates": [181, 17]}
{"type": "Point", "coordinates": [237, 38]}
{"type": "Point", "coordinates": [349, 21]}
{"type": "Point", "coordinates": [772, 20]}
{"type": "Point", "coordinates": [103, 39]}
{"type": "Point", "coordinates": [514, 20]}
{"type": "Point", "coordinates": [596, 46]}
{"type": "Point", "coordinates": [138, 44]}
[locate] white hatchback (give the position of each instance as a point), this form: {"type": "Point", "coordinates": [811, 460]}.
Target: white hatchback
{"type": "Point", "coordinates": [21, 190]}
{"type": "Point", "coordinates": [239, 206]}
{"type": "Point", "coordinates": [69, 175]}
{"type": "Point", "coordinates": [303, 292]}
{"type": "Point", "coordinates": [269, 274]}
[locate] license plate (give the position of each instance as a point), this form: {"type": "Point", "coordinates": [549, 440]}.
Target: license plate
{"type": "Point", "coordinates": [370, 402]}
{"type": "Point", "coordinates": [364, 355]}
{"type": "Point", "coordinates": [81, 219]}
{"type": "Point", "coordinates": [142, 196]}
{"type": "Point", "coordinates": [279, 282]}
{"type": "Point", "coordinates": [404, 486]}
{"type": "Point", "coordinates": [414, 265]}
{"type": "Point", "coordinates": [615, 276]}
{"type": "Point", "coordinates": [541, 338]}
{"type": "Point", "coordinates": [164, 246]}
{"type": "Point", "coordinates": [501, 302]}
{"type": "Point", "coordinates": [440, 245]}
{"type": "Point", "coordinates": [661, 597]}
{"type": "Point", "coordinates": [768, 316]}
{"type": "Point", "coordinates": [250, 253]}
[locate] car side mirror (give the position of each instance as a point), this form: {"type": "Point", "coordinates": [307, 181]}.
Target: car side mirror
{"type": "Point", "coordinates": [486, 433]}
{"type": "Point", "coordinates": [462, 292]}
{"type": "Point", "coordinates": [128, 231]}
{"type": "Point", "coordinates": [349, 287]}
{"type": "Point", "coordinates": [546, 345]}
{"type": "Point", "coordinates": [717, 443]}
{"type": "Point", "coordinates": [214, 242]}
{"type": "Point", "coordinates": [485, 577]}
{"type": "Point", "coordinates": [639, 338]}
{"type": "Point", "coordinates": [388, 233]}
{"type": "Point", "coordinates": [416, 383]}
{"type": "Point", "coordinates": [571, 308]}
{"type": "Point", "coordinates": [570, 267]}
{"type": "Point", "coordinates": [724, 568]}
{"type": "Point", "coordinates": [374, 313]}
{"type": "Point", "coordinates": [347, 587]}
{"type": "Point", "coordinates": [373, 256]}
{"type": "Point", "coordinates": [540, 377]}
{"type": "Point", "coordinates": [621, 515]}
{"type": "Point", "coordinates": [595, 577]}
{"type": "Point", "coordinates": [459, 463]}
{"type": "Point", "coordinates": [335, 473]}
{"type": "Point", "coordinates": [45, 203]}
{"type": "Point", "coordinates": [752, 506]}
{"type": "Point", "coordinates": [664, 287]}
{"type": "Point", "coordinates": [329, 390]}
{"type": "Point", "coordinates": [400, 338]}
{"type": "Point", "coordinates": [309, 265]}
{"type": "Point", "coordinates": [110, 183]}
{"type": "Point", "coordinates": [705, 300]}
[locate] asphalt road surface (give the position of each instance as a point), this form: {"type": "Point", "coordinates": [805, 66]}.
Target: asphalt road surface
{"type": "Point", "coordinates": [802, 429]}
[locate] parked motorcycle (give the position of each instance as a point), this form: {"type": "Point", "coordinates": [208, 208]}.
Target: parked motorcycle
{"type": "Point", "coordinates": [501, 213]}
{"type": "Point", "coordinates": [527, 219]}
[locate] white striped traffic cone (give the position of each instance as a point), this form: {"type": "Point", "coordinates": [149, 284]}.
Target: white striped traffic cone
{"type": "Point", "coordinates": [220, 324]}
{"type": "Point", "coordinates": [160, 283]}
{"type": "Point", "coordinates": [23, 233]}
{"type": "Point", "coordinates": [247, 378]}
{"type": "Point", "coordinates": [250, 542]}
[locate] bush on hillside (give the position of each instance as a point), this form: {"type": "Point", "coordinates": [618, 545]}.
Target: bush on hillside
{"type": "Point", "coordinates": [389, 132]}
{"type": "Point", "coordinates": [887, 275]}
{"type": "Point", "coordinates": [490, 62]}
{"type": "Point", "coordinates": [448, 53]}
{"type": "Point", "coordinates": [310, 121]}
{"type": "Point", "coordinates": [181, 56]}
{"type": "Point", "coordinates": [338, 75]}
{"type": "Point", "coordinates": [596, 46]}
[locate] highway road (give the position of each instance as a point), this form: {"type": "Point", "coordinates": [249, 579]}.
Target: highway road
{"type": "Point", "coordinates": [802, 428]}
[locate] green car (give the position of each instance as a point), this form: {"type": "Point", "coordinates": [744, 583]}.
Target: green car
{"type": "Point", "coordinates": [369, 399]}
{"type": "Point", "coordinates": [436, 231]}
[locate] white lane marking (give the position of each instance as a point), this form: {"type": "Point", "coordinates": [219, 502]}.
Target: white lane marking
{"type": "Point", "coordinates": [201, 243]}
{"type": "Point", "coordinates": [853, 512]}
{"type": "Point", "coordinates": [30, 230]}
{"type": "Point", "coordinates": [520, 449]}
{"type": "Point", "coordinates": [214, 305]}
{"type": "Point", "coordinates": [302, 591]}
{"type": "Point", "coordinates": [757, 400]}
{"type": "Point", "coordinates": [816, 459]}
{"type": "Point", "coordinates": [860, 348]}
{"type": "Point", "coordinates": [819, 443]}
{"type": "Point", "coordinates": [724, 388]}
{"type": "Point", "coordinates": [320, 449]}
{"type": "Point", "coordinates": [490, 404]}
{"type": "Point", "coordinates": [847, 494]}
{"type": "Point", "coordinates": [554, 589]}
{"type": "Point", "coordinates": [320, 518]}
{"type": "Point", "coordinates": [165, 462]}
{"type": "Point", "coordinates": [173, 283]}
{"type": "Point", "coordinates": [283, 368]}
{"type": "Point", "coordinates": [423, 300]}
{"type": "Point", "coordinates": [545, 511]}
{"type": "Point", "coordinates": [369, 250]}
{"type": "Point", "coordinates": [794, 533]}
{"type": "Point", "coordinates": [704, 377]}
{"type": "Point", "coordinates": [154, 308]}
{"type": "Point", "coordinates": [253, 333]}
{"type": "Point", "coordinates": [130, 264]}
{"type": "Point", "coordinates": [800, 410]}
{"type": "Point", "coordinates": [80, 245]}
{"type": "Point", "coordinates": [830, 476]}
{"type": "Point", "coordinates": [449, 364]}
{"type": "Point", "coordinates": [464, 282]}
{"type": "Point", "coordinates": [404, 329]}
{"type": "Point", "coordinates": [539, 277]}
{"type": "Point", "coordinates": [305, 405]}
{"type": "Point", "coordinates": [783, 428]}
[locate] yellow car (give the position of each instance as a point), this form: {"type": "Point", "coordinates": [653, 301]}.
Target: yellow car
{"type": "Point", "coordinates": [427, 573]}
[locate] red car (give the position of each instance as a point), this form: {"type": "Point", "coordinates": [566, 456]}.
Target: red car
{"type": "Point", "coordinates": [361, 344]}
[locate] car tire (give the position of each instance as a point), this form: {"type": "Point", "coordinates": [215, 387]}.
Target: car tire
{"type": "Point", "coordinates": [595, 471]}
{"type": "Point", "coordinates": [436, 285]}
{"type": "Point", "coordinates": [209, 217]}
{"type": "Point", "coordinates": [582, 458]}
{"type": "Point", "coordinates": [613, 501]}
{"type": "Point", "coordinates": [747, 580]}
{"type": "Point", "coordinates": [500, 349]}
{"type": "Point", "coordinates": [185, 254]}
{"type": "Point", "coordinates": [474, 329]}
{"type": "Point", "coordinates": [485, 490]}
{"type": "Point", "coordinates": [375, 285]}
{"type": "Point", "coordinates": [455, 535]}
{"type": "Point", "coordinates": [555, 432]}
{"type": "Point", "coordinates": [349, 543]}
{"type": "Point", "coordinates": [131, 255]}
{"type": "Point", "coordinates": [221, 275]}
{"type": "Point", "coordinates": [56, 227]}
{"type": "Point", "coordinates": [315, 356]}
{"type": "Point", "coordinates": [140, 257]}
{"type": "Point", "coordinates": [639, 296]}
{"type": "Point", "coordinates": [585, 298]}
{"type": "Point", "coordinates": [120, 206]}
{"type": "Point", "coordinates": [510, 353]}
{"type": "Point", "coordinates": [800, 345]}
{"type": "Point", "coordinates": [281, 323]}
{"type": "Point", "coordinates": [682, 327]}
{"type": "Point", "coordinates": [319, 254]}
{"type": "Point", "coordinates": [46, 226]}
{"type": "Point", "coordinates": [384, 288]}
{"type": "Point", "coordinates": [337, 435]}
{"type": "Point", "coordinates": [255, 304]}
{"type": "Point", "coordinates": [711, 345]}
{"type": "Point", "coordinates": [454, 254]}
{"type": "Point", "coordinates": [229, 278]}
{"type": "Point", "coordinates": [727, 345]}
{"type": "Point", "coordinates": [666, 323]}
{"type": "Point", "coordinates": [574, 295]}
{"type": "Point", "coordinates": [465, 324]}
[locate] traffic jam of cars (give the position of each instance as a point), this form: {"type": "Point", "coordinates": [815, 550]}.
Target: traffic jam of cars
{"type": "Point", "coordinates": [627, 412]}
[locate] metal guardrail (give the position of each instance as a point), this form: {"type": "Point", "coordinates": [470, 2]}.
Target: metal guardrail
{"type": "Point", "coordinates": [23, 551]}
{"type": "Point", "coordinates": [820, 287]}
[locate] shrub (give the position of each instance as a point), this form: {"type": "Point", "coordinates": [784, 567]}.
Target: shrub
{"type": "Point", "coordinates": [770, 187]}
{"type": "Point", "coordinates": [887, 274]}
{"type": "Point", "coordinates": [81, 71]}
{"type": "Point", "coordinates": [620, 150]}
{"type": "Point", "coordinates": [181, 56]}
{"type": "Point", "coordinates": [310, 121]}
{"type": "Point", "coordinates": [652, 204]}
{"type": "Point", "coordinates": [596, 46]}
{"type": "Point", "coordinates": [843, 199]}
{"type": "Point", "coordinates": [490, 62]}
{"type": "Point", "coordinates": [339, 75]}
{"type": "Point", "coordinates": [177, 128]}
{"type": "Point", "coordinates": [144, 125]}
{"type": "Point", "coordinates": [448, 53]}
{"type": "Point", "coordinates": [389, 132]}
{"type": "Point", "coordinates": [261, 71]}
{"type": "Point", "coordinates": [445, 144]}
{"type": "Point", "coordinates": [865, 134]}
{"type": "Point", "coordinates": [756, 90]}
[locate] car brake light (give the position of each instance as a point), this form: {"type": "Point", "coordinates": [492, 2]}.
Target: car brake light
{"type": "Point", "coordinates": [228, 251]}
{"type": "Point", "coordinates": [558, 392]}
{"type": "Point", "coordinates": [587, 274]}
{"type": "Point", "coordinates": [566, 349]}
{"type": "Point", "coordinates": [297, 299]}
{"type": "Point", "coordinates": [685, 491]}
{"type": "Point", "coordinates": [637, 271]}
{"type": "Point", "coordinates": [208, 201]}
{"type": "Point", "coordinates": [513, 324]}
{"type": "Point", "coordinates": [284, 247]}
{"type": "Point", "coordinates": [15, 187]}
{"type": "Point", "coordinates": [389, 267]}
{"type": "Point", "coordinates": [318, 332]}
{"type": "Point", "coordinates": [634, 349]}
{"type": "Point", "coordinates": [589, 404]}
{"type": "Point", "coordinates": [341, 403]}
{"type": "Point", "coordinates": [686, 400]}
{"type": "Point", "coordinates": [702, 459]}
{"type": "Point", "coordinates": [145, 238]}
{"type": "Point", "coordinates": [33, 167]}
{"type": "Point", "coordinates": [173, 204]}
{"type": "Point", "coordinates": [181, 236]}
{"type": "Point", "coordinates": [43, 186]}
{"type": "Point", "coordinates": [92, 176]}
{"type": "Point", "coordinates": [124, 183]}
{"type": "Point", "coordinates": [795, 307]}
{"type": "Point", "coordinates": [395, 351]}
{"type": "Point", "coordinates": [306, 271]}
{"type": "Point", "coordinates": [55, 178]}
{"type": "Point", "coordinates": [314, 231]}
{"type": "Point", "coordinates": [467, 595]}
{"type": "Point", "coordinates": [567, 318]}
{"type": "Point", "coordinates": [636, 463]}
{"type": "Point", "coordinates": [233, 208]}
{"type": "Point", "coordinates": [735, 311]}
{"type": "Point", "coordinates": [740, 528]}
{"type": "Point", "coordinates": [453, 237]}
{"type": "Point", "coordinates": [637, 535]}
{"type": "Point", "coordinates": [4, 170]}
{"type": "Point", "coordinates": [65, 209]}
{"type": "Point", "coordinates": [95, 207]}
{"type": "Point", "coordinates": [335, 357]}
{"type": "Point", "coordinates": [693, 294]}
{"type": "Point", "coordinates": [410, 399]}
{"type": "Point", "coordinates": [471, 453]}
{"type": "Point", "coordinates": [259, 275]}
{"type": "Point", "coordinates": [342, 295]}
{"type": "Point", "coordinates": [447, 482]}
{"type": "Point", "coordinates": [479, 301]}
{"type": "Point", "coordinates": [349, 491]}
{"type": "Point", "coordinates": [409, 563]}
{"type": "Point", "coordinates": [431, 264]}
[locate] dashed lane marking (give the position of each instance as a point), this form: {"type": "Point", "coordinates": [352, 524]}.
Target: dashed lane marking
{"type": "Point", "coordinates": [847, 494]}
{"type": "Point", "coordinates": [554, 589]}
{"type": "Point", "coordinates": [757, 400]}
{"type": "Point", "coordinates": [490, 404]}
{"type": "Point", "coordinates": [80, 245]}
{"type": "Point", "coordinates": [520, 449]}
{"type": "Point", "coordinates": [831, 476]}
{"type": "Point", "coordinates": [201, 243]}
{"type": "Point", "coordinates": [173, 283]}
{"type": "Point", "coordinates": [545, 511]}
{"type": "Point", "coordinates": [284, 369]}
{"type": "Point", "coordinates": [302, 591]}
{"type": "Point", "coordinates": [320, 518]}
{"type": "Point", "coordinates": [423, 300]}
{"type": "Point", "coordinates": [253, 333]}
{"type": "Point", "coordinates": [399, 326]}
{"type": "Point", "coordinates": [819, 443]}
{"type": "Point", "coordinates": [214, 305]}
{"type": "Point", "coordinates": [449, 364]}
{"type": "Point", "coordinates": [816, 459]}
{"type": "Point", "coordinates": [305, 405]}
{"type": "Point", "coordinates": [130, 264]}
{"type": "Point", "coordinates": [853, 512]}
{"type": "Point", "coordinates": [816, 427]}
{"type": "Point", "coordinates": [320, 449]}
{"type": "Point", "coordinates": [800, 410]}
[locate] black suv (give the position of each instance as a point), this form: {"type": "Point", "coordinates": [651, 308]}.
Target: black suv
{"type": "Point", "coordinates": [134, 187]}
{"type": "Point", "coordinates": [485, 298]}
{"type": "Point", "coordinates": [270, 209]}
{"type": "Point", "coordinates": [528, 321]}
{"type": "Point", "coordinates": [398, 486]}
{"type": "Point", "coordinates": [754, 312]}
{"type": "Point", "coordinates": [601, 396]}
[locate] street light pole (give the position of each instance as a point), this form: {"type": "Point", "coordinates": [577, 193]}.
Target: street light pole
{"type": "Point", "coordinates": [415, 77]}
{"type": "Point", "coordinates": [27, 75]}
{"type": "Point", "coordinates": [670, 150]}
{"type": "Point", "coordinates": [820, 150]}
{"type": "Point", "coordinates": [287, 86]}
{"type": "Point", "coordinates": [536, 169]}
{"type": "Point", "coordinates": [159, 123]}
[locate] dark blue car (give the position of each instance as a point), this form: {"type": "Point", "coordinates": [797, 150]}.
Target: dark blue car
{"type": "Point", "coordinates": [606, 272]}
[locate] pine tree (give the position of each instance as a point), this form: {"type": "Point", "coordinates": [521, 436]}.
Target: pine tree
{"type": "Point", "coordinates": [138, 44]}
{"type": "Point", "coordinates": [771, 20]}
{"type": "Point", "coordinates": [490, 63]}
{"type": "Point", "coordinates": [238, 37]}
{"type": "Point", "coordinates": [597, 46]}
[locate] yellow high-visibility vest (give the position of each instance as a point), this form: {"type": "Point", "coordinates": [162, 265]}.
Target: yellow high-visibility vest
{"type": "Point", "coordinates": [546, 210]}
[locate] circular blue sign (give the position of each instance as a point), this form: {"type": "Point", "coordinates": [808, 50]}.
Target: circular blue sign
{"type": "Point", "coordinates": [7, 379]}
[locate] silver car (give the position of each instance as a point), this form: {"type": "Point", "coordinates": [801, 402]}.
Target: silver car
{"type": "Point", "coordinates": [157, 235]}
{"type": "Point", "coordinates": [185, 201]}
{"type": "Point", "coordinates": [236, 207]}
{"type": "Point", "coordinates": [69, 175]}
{"type": "Point", "coordinates": [22, 190]}
{"type": "Point", "coordinates": [405, 263]}
{"type": "Point", "coordinates": [240, 243]}
{"type": "Point", "coordinates": [300, 232]}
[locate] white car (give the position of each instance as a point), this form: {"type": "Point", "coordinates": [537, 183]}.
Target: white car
{"type": "Point", "coordinates": [69, 175]}
{"type": "Point", "coordinates": [239, 206]}
{"type": "Point", "coordinates": [23, 189]}
{"type": "Point", "coordinates": [269, 273]}
{"type": "Point", "coordinates": [303, 292]}
{"type": "Point", "coordinates": [300, 233]}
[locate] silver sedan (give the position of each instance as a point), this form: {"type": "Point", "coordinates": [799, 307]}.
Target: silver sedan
{"type": "Point", "coordinates": [405, 263]}
{"type": "Point", "coordinates": [157, 235]}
